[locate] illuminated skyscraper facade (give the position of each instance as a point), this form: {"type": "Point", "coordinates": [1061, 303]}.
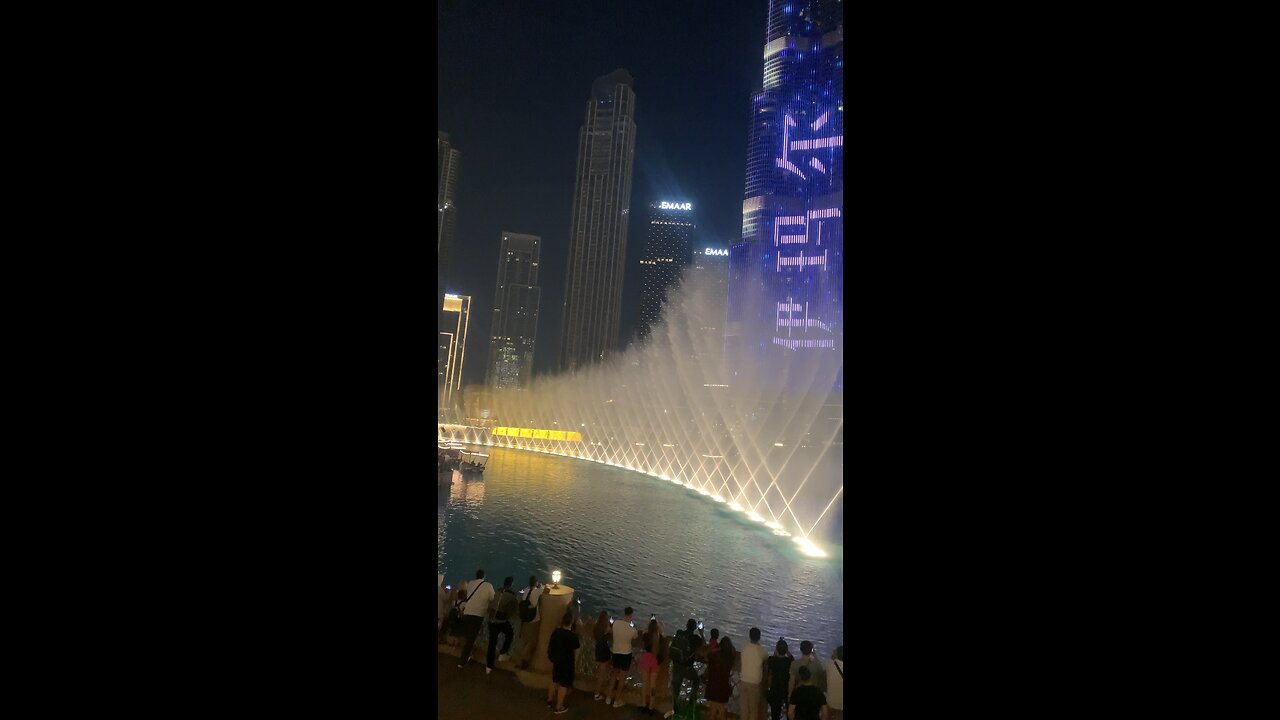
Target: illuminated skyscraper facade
{"type": "Point", "coordinates": [447, 160]}
{"type": "Point", "coordinates": [446, 214]}
{"type": "Point", "coordinates": [598, 226]}
{"type": "Point", "coordinates": [515, 312]}
{"type": "Point", "coordinates": [786, 275]}
{"type": "Point", "coordinates": [668, 250]}
{"type": "Point", "coordinates": [456, 317]}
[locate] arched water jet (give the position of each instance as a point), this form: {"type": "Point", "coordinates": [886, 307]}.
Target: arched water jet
{"type": "Point", "coordinates": [765, 440]}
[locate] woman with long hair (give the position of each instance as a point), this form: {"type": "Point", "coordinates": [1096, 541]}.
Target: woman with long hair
{"type": "Point", "coordinates": [779, 675]}
{"type": "Point", "coordinates": [600, 638]}
{"type": "Point", "coordinates": [649, 663]}
{"type": "Point", "coordinates": [719, 665]}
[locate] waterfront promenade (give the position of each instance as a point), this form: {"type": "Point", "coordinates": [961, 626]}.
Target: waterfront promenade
{"type": "Point", "coordinates": [508, 692]}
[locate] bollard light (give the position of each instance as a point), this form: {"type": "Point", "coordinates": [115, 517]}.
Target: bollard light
{"type": "Point", "coordinates": [555, 578]}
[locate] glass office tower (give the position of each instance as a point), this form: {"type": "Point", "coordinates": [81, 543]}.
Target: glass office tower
{"type": "Point", "coordinates": [668, 250]}
{"type": "Point", "coordinates": [598, 228]}
{"type": "Point", "coordinates": [515, 312]}
{"type": "Point", "coordinates": [786, 274]}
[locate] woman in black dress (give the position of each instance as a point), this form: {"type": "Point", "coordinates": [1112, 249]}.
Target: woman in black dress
{"type": "Point", "coordinates": [778, 677]}
{"type": "Point", "coordinates": [719, 665]}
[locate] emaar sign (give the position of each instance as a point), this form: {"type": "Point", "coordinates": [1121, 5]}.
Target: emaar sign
{"type": "Point", "coordinates": [675, 206]}
{"type": "Point", "coordinates": [715, 251]}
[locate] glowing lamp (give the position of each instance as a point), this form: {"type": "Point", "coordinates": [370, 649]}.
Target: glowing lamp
{"type": "Point", "coordinates": [555, 578]}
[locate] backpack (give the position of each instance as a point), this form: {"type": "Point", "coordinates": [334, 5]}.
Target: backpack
{"type": "Point", "coordinates": [679, 651]}
{"type": "Point", "coordinates": [527, 611]}
{"type": "Point", "coordinates": [504, 602]}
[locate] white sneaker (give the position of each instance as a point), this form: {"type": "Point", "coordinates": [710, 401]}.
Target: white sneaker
{"type": "Point", "coordinates": [488, 670]}
{"type": "Point", "coordinates": [599, 696]}
{"type": "Point", "coordinates": [503, 658]}
{"type": "Point", "coordinates": [669, 714]}
{"type": "Point", "coordinates": [618, 703]}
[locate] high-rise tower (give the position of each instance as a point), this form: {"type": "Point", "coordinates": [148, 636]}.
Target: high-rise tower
{"type": "Point", "coordinates": [515, 312]}
{"type": "Point", "coordinates": [447, 160]}
{"type": "Point", "coordinates": [452, 348]}
{"type": "Point", "coordinates": [446, 213]}
{"type": "Point", "coordinates": [787, 274]}
{"type": "Point", "coordinates": [598, 227]}
{"type": "Point", "coordinates": [668, 250]}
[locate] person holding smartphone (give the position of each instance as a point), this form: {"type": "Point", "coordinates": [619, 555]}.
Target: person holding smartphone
{"type": "Point", "coordinates": [530, 629]}
{"type": "Point", "coordinates": [624, 636]}
{"type": "Point", "coordinates": [650, 660]}
{"type": "Point", "coordinates": [686, 647]}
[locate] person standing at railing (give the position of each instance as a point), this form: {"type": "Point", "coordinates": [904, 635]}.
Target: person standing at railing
{"type": "Point", "coordinates": [685, 647]}
{"type": "Point", "coordinates": [778, 678]}
{"type": "Point", "coordinates": [479, 593]}
{"type": "Point", "coordinates": [650, 660]}
{"type": "Point", "coordinates": [530, 621]}
{"type": "Point", "coordinates": [751, 678]}
{"type": "Point", "coordinates": [809, 659]}
{"type": "Point", "coordinates": [719, 689]}
{"type": "Point", "coordinates": [442, 606]}
{"type": "Point", "coordinates": [503, 609]}
{"type": "Point", "coordinates": [835, 685]}
{"type": "Point", "coordinates": [562, 650]}
{"type": "Point", "coordinates": [807, 701]}
{"type": "Point", "coordinates": [600, 637]}
{"type": "Point", "coordinates": [624, 636]}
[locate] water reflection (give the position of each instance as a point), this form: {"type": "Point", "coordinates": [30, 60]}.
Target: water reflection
{"type": "Point", "coordinates": [622, 538]}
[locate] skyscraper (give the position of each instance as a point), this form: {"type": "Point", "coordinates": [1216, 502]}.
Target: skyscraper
{"type": "Point", "coordinates": [598, 227]}
{"type": "Point", "coordinates": [515, 312]}
{"type": "Point", "coordinates": [446, 213]}
{"type": "Point", "coordinates": [668, 251]}
{"type": "Point", "coordinates": [452, 348]}
{"type": "Point", "coordinates": [787, 274]}
{"type": "Point", "coordinates": [709, 279]}
{"type": "Point", "coordinates": [447, 160]}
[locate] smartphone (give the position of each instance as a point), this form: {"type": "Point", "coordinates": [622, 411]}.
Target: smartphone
{"type": "Point", "coordinates": [632, 623]}
{"type": "Point", "coordinates": [699, 624]}
{"type": "Point", "coordinates": [524, 591]}
{"type": "Point", "coordinates": [652, 616]}
{"type": "Point", "coordinates": [448, 587]}
{"type": "Point", "coordinates": [610, 621]}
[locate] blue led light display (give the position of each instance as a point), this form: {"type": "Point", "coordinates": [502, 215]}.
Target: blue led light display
{"type": "Point", "coordinates": [787, 273]}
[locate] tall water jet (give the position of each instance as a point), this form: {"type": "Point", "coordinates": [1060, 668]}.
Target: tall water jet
{"type": "Point", "coordinates": [764, 439]}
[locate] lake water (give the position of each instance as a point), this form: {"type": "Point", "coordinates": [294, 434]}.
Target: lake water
{"type": "Point", "coordinates": [622, 538]}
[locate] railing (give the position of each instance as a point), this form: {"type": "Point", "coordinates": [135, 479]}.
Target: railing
{"type": "Point", "coordinates": [587, 666]}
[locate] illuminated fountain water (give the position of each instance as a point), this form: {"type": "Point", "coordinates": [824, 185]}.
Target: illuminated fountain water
{"type": "Point", "coordinates": [767, 441]}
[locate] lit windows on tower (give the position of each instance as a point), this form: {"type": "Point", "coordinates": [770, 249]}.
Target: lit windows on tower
{"type": "Point", "coordinates": [668, 250]}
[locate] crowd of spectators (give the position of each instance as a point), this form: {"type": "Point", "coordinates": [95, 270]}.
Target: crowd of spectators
{"type": "Point", "coordinates": [802, 689]}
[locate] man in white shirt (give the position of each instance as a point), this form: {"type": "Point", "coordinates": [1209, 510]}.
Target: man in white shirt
{"type": "Point", "coordinates": [835, 685]}
{"type": "Point", "coordinates": [478, 594]}
{"type": "Point", "coordinates": [751, 678]}
{"type": "Point", "coordinates": [624, 635]}
{"type": "Point", "coordinates": [529, 630]}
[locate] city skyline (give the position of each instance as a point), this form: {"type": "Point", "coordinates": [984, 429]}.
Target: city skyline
{"type": "Point", "coordinates": [519, 168]}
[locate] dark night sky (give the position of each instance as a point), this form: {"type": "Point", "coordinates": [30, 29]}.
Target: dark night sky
{"type": "Point", "coordinates": [514, 81]}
